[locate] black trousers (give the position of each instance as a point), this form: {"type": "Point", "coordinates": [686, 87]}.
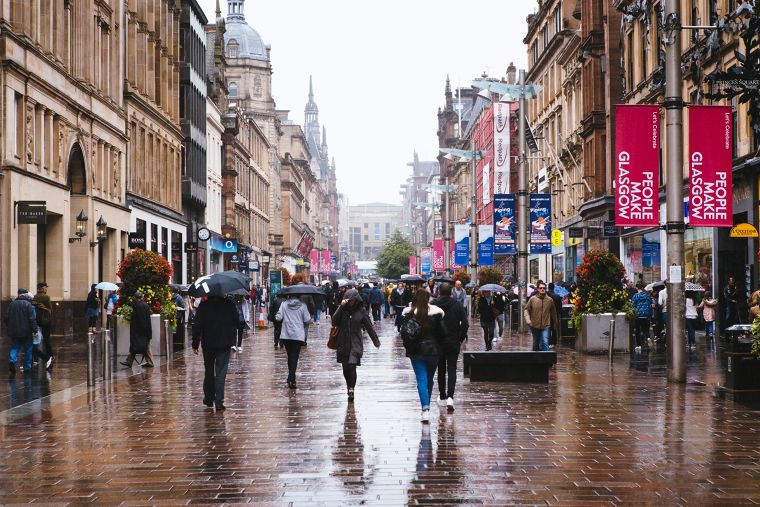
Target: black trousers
{"type": "Point", "coordinates": [488, 333]}
{"type": "Point", "coordinates": [447, 365]}
{"type": "Point", "coordinates": [293, 348]}
{"type": "Point", "coordinates": [277, 332]}
{"type": "Point", "coordinates": [46, 339]}
{"type": "Point", "coordinates": [349, 373]}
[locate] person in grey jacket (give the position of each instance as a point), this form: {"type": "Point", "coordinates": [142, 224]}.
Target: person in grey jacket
{"type": "Point", "coordinates": [21, 322]}
{"type": "Point", "coordinates": [294, 315]}
{"type": "Point", "coordinates": [351, 318]}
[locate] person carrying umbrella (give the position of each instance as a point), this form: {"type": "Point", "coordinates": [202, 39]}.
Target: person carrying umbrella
{"type": "Point", "coordinates": [294, 316]}
{"type": "Point", "coordinates": [487, 311]}
{"type": "Point", "coordinates": [351, 318]}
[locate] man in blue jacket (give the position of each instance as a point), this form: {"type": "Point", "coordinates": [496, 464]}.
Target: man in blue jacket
{"type": "Point", "coordinates": [21, 322]}
{"type": "Point", "coordinates": [376, 301]}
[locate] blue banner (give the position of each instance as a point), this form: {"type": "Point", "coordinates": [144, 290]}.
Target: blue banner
{"type": "Point", "coordinates": [485, 245]}
{"type": "Point", "coordinates": [462, 244]}
{"type": "Point", "coordinates": [221, 244]}
{"type": "Point", "coordinates": [540, 223]}
{"type": "Point", "coordinates": [426, 259]}
{"type": "Point", "coordinates": [504, 224]}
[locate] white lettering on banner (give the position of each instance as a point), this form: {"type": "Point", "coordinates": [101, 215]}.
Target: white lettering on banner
{"type": "Point", "coordinates": [501, 147]}
{"type": "Point", "coordinates": [635, 198]}
{"type": "Point", "coordinates": [709, 199]}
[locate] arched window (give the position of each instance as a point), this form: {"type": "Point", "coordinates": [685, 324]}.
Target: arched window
{"type": "Point", "coordinates": [233, 48]}
{"type": "Point", "coordinates": [233, 90]}
{"type": "Point", "coordinates": [77, 176]}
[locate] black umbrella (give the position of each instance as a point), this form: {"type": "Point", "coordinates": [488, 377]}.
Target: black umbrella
{"type": "Point", "coordinates": [411, 278]}
{"type": "Point", "coordinates": [219, 284]}
{"type": "Point", "coordinates": [443, 279]}
{"type": "Point", "coordinates": [342, 282]}
{"type": "Point", "coordinates": [302, 290]}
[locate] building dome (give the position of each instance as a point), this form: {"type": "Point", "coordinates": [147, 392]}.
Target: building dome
{"type": "Point", "coordinates": [240, 40]}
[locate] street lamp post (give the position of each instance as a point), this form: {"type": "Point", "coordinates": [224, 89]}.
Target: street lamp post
{"type": "Point", "coordinates": [522, 206]}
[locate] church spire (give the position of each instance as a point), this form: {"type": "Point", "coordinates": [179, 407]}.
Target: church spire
{"type": "Point", "coordinates": [311, 90]}
{"type": "Point", "coordinates": [324, 135]}
{"type": "Point", "coordinates": [448, 85]}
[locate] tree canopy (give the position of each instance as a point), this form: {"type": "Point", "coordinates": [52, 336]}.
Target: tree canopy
{"type": "Point", "coordinates": [393, 259]}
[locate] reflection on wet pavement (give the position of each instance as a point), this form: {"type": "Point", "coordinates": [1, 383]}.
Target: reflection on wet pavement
{"type": "Point", "coordinates": [594, 435]}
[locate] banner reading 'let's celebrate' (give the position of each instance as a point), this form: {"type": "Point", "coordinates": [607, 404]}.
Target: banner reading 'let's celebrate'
{"type": "Point", "coordinates": [637, 173]}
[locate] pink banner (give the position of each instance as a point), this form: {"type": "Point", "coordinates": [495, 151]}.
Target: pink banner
{"type": "Point", "coordinates": [412, 265]}
{"type": "Point", "coordinates": [637, 155]}
{"type": "Point", "coordinates": [438, 250]}
{"type": "Point", "coordinates": [314, 261]}
{"type": "Point", "coordinates": [710, 166]}
{"type": "Point", "coordinates": [325, 267]}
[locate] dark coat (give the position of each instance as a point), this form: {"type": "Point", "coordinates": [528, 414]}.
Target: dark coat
{"type": "Point", "coordinates": [274, 307]}
{"type": "Point", "coordinates": [351, 321]}
{"type": "Point", "coordinates": [216, 324]}
{"type": "Point", "coordinates": [376, 296]}
{"type": "Point", "coordinates": [433, 337]}
{"type": "Point", "coordinates": [139, 324]}
{"type": "Point", "coordinates": [21, 319]}
{"type": "Point", "coordinates": [92, 300]}
{"type": "Point", "coordinates": [500, 303]}
{"type": "Point", "coordinates": [485, 311]}
{"type": "Point", "coordinates": [454, 322]}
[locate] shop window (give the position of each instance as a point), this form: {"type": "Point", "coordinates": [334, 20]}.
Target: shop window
{"type": "Point", "coordinates": [642, 257]}
{"type": "Point", "coordinates": [177, 256]}
{"type": "Point", "coordinates": [154, 237]}
{"type": "Point", "coordinates": [41, 252]}
{"type": "Point", "coordinates": [698, 256]}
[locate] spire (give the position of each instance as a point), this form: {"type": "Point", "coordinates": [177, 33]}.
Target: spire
{"type": "Point", "coordinates": [324, 135]}
{"type": "Point", "coordinates": [311, 90]}
{"type": "Point", "coordinates": [448, 84]}
{"type": "Point", "coordinates": [218, 11]}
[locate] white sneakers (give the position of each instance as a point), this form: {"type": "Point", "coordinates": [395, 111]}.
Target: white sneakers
{"type": "Point", "coordinates": [237, 349]}
{"type": "Point", "coordinates": [425, 418]}
{"type": "Point", "coordinates": [450, 404]}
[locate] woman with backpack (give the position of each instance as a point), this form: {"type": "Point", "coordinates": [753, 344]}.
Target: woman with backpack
{"type": "Point", "coordinates": [423, 334]}
{"type": "Point", "coordinates": [351, 318]}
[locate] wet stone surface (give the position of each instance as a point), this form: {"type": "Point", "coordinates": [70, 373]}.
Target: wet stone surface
{"type": "Point", "coordinates": [592, 436]}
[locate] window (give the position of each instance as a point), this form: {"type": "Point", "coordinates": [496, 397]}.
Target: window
{"type": "Point", "coordinates": [233, 90]}
{"type": "Point", "coordinates": [233, 49]}
{"type": "Point", "coordinates": [629, 67]}
{"type": "Point", "coordinates": [545, 37]}
{"type": "Point", "coordinates": [387, 230]}
{"type": "Point", "coordinates": [644, 44]}
{"type": "Point", "coordinates": [366, 237]}
{"type": "Point", "coordinates": [658, 40]}
{"type": "Point", "coordinates": [366, 226]}
{"type": "Point", "coordinates": [557, 18]}
{"type": "Point", "coordinates": [154, 237]}
{"type": "Point", "coordinates": [377, 232]}
{"type": "Point", "coordinates": [534, 52]}
{"type": "Point", "coordinates": [165, 242]}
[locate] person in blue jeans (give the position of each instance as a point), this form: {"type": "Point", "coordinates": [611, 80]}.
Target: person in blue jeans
{"type": "Point", "coordinates": [541, 316]}
{"type": "Point", "coordinates": [21, 322]}
{"type": "Point", "coordinates": [424, 349]}
{"type": "Point", "coordinates": [642, 303]}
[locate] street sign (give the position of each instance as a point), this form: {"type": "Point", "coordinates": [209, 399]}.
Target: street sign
{"type": "Point", "coordinates": [253, 265]}
{"type": "Point", "coordinates": [234, 259]}
{"type": "Point", "coordinates": [609, 229]}
{"type": "Point", "coordinates": [575, 232]}
{"type": "Point", "coordinates": [191, 247]}
{"type": "Point", "coordinates": [31, 212]}
{"type": "Point", "coordinates": [137, 240]}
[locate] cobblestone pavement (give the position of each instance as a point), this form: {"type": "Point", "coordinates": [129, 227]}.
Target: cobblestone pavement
{"type": "Point", "coordinates": [594, 436]}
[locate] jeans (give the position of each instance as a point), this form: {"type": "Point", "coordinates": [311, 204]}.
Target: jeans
{"type": "Point", "coordinates": [386, 309]}
{"type": "Point", "coordinates": [215, 362]}
{"type": "Point", "coordinates": [500, 323]}
{"type": "Point", "coordinates": [349, 373]}
{"type": "Point", "coordinates": [376, 312]}
{"type": "Point", "coordinates": [293, 348]}
{"type": "Point", "coordinates": [399, 317]}
{"type": "Point", "coordinates": [22, 343]}
{"type": "Point", "coordinates": [317, 314]}
{"type": "Point", "coordinates": [488, 328]}
{"type": "Point", "coordinates": [642, 331]}
{"type": "Point", "coordinates": [540, 338]}
{"type": "Point", "coordinates": [691, 330]}
{"type": "Point", "coordinates": [424, 370]}
{"type": "Point", "coordinates": [710, 328]}
{"type": "Point", "coordinates": [447, 365]}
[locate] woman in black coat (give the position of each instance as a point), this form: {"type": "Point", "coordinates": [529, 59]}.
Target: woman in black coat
{"type": "Point", "coordinates": [351, 317]}
{"type": "Point", "coordinates": [487, 311]}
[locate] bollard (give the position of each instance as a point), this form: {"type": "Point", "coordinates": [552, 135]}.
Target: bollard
{"type": "Point", "coordinates": [90, 359]}
{"type": "Point", "coordinates": [169, 340]}
{"type": "Point", "coordinates": [612, 337]}
{"type": "Point", "coordinates": [107, 366]}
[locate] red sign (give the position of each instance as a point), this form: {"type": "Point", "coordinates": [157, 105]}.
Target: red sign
{"type": "Point", "coordinates": [438, 255]}
{"type": "Point", "coordinates": [325, 266]}
{"type": "Point", "coordinates": [412, 264]}
{"type": "Point", "coordinates": [637, 170]}
{"type": "Point", "coordinates": [710, 166]}
{"type": "Point", "coordinates": [314, 261]}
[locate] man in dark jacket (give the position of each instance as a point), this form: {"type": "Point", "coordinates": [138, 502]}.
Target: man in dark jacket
{"type": "Point", "coordinates": [274, 307]}
{"type": "Point", "coordinates": [21, 322]}
{"type": "Point", "coordinates": [376, 301]}
{"type": "Point", "coordinates": [140, 332]}
{"type": "Point", "coordinates": [215, 327]}
{"type": "Point", "coordinates": [556, 332]}
{"type": "Point", "coordinates": [401, 296]}
{"type": "Point", "coordinates": [456, 324]}
{"type": "Point", "coordinates": [44, 309]}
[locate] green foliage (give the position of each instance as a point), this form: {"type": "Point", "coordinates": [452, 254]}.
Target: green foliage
{"type": "Point", "coordinates": [149, 273]}
{"type": "Point", "coordinates": [600, 278]}
{"type": "Point", "coordinates": [756, 337]}
{"type": "Point", "coordinates": [489, 275]}
{"type": "Point", "coordinates": [393, 259]}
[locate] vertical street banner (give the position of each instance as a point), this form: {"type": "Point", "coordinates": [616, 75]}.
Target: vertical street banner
{"type": "Point", "coordinates": [462, 244]}
{"type": "Point", "coordinates": [333, 263]}
{"type": "Point", "coordinates": [485, 245]}
{"type": "Point", "coordinates": [452, 259]}
{"type": "Point", "coordinates": [486, 184]}
{"type": "Point", "coordinates": [710, 166]}
{"type": "Point", "coordinates": [505, 224]}
{"type": "Point", "coordinates": [412, 264]}
{"type": "Point", "coordinates": [426, 259]}
{"type": "Point", "coordinates": [637, 171]}
{"type": "Point", "coordinates": [275, 283]}
{"type": "Point", "coordinates": [325, 267]}
{"type": "Point", "coordinates": [314, 261]}
{"type": "Point", "coordinates": [501, 148]}
{"type": "Point", "coordinates": [541, 223]}
{"type": "Point", "coordinates": [438, 261]}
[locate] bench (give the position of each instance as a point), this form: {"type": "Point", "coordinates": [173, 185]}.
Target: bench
{"type": "Point", "coordinates": [509, 366]}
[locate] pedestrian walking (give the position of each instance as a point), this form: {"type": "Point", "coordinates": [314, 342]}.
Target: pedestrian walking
{"type": "Point", "coordinates": [243, 308]}
{"type": "Point", "coordinates": [274, 307]}
{"type": "Point", "coordinates": [691, 319]}
{"type": "Point", "coordinates": [459, 294]}
{"type": "Point", "coordinates": [215, 328]}
{"type": "Point", "coordinates": [424, 347]}
{"type": "Point", "coordinates": [642, 303]}
{"type": "Point", "coordinates": [709, 306]}
{"type": "Point", "coordinates": [334, 298]}
{"type": "Point", "coordinates": [21, 324]}
{"type": "Point", "coordinates": [541, 316]}
{"type": "Point", "coordinates": [351, 319]}
{"type": "Point", "coordinates": [500, 304]}
{"type": "Point", "coordinates": [92, 309]}
{"type": "Point", "coordinates": [140, 333]}
{"type": "Point", "coordinates": [487, 312]}
{"type": "Point", "coordinates": [387, 288]}
{"type": "Point", "coordinates": [294, 317]}
{"type": "Point", "coordinates": [376, 302]}
{"type": "Point", "coordinates": [456, 324]}
{"type": "Point", "coordinates": [400, 298]}
{"type": "Point", "coordinates": [730, 303]}
{"type": "Point", "coordinates": [44, 309]}
{"type": "Point", "coordinates": [110, 306]}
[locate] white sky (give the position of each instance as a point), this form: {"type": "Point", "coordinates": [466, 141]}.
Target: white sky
{"type": "Point", "coordinates": [379, 72]}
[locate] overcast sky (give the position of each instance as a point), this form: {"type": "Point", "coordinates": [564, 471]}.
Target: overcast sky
{"type": "Point", "coordinates": [379, 72]}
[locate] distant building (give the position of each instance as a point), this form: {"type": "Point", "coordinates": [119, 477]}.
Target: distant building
{"type": "Point", "coordinates": [369, 226]}
{"type": "Point", "coordinates": [418, 221]}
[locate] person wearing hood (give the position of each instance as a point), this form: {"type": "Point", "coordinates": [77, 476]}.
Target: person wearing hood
{"type": "Point", "coordinates": [376, 301]}
{"type": "Point", "coordinates": [424, 349]}
{"type": "Point", "coordinates": [294, 316]}
{"type": "Point", "coordinates": [351, 318]}
{"type": "Point", "coordinates": [21, 322]}
{"type": "Point", "coordinates": [456, 324]}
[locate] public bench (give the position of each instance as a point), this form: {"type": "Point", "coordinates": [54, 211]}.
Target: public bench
{"type": "Point", "coordinates": [509, 366]}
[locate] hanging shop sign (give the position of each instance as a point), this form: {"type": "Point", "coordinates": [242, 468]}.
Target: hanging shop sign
{"type": "Point", "coordinates": [137, 240]}
{"type": "Point", "coordinates": [504, 224]}
{"type": "Point", "coordinates": [609, 229]}
{"type": "Point", "coordinates": [743, 231]}
{"type": "Point", "coordinates": [557, 237]}
{"type": "Point", "coordinates": [501, 148]}
{"type": "Point", "coordinates": [191, 246]}
{"type": "Point", "coordinates": [540, 223]}
{"type": "Point", "coordinates": [485, 245]}
{"type": "Point", "coordinates": [462, 244]}
{"type": "Point", "coordinates": [710, 166]}
{"type": "Point", "coordinates": [426, 259]}
{"type": "Point", "coordinates": [31, 212]}
{"type": "Point", "coordinates": [637, 156]}
{"type": "Point", "coordinates": [324, 266]}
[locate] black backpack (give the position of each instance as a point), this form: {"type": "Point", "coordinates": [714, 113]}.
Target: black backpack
{"type": "Point", "coordinates": [411, 331]}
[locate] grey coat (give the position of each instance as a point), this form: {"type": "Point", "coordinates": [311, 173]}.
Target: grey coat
{"type": "Point", "coordinates": [293, 314]}
{"type": "Point", "coordinates": [351, 321]}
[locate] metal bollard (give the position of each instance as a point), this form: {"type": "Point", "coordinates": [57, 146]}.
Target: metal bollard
{"type": "Point", "coordinates": [107, 366]}
{"type": "Point", "coordinates": [90, 359]}
{"type": "Point", "coordinates": [612, 338]}
{"type": "Point", "coordinates": [169, 341]}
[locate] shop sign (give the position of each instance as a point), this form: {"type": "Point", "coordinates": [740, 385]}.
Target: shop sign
{"type": "Point", "coordinates": [136, 240]}
{"type": "Point", "coordinates": [234, 259]}
{"type": "Point", "coordinates": [556, 237]}
{"type": "Point", "coordinates": [220, 244]}
{"type": "Point", "coordinates": [743, 231]}
{"type": "Point", "coordinates": [31, 212]}
{"type": "Point", "coordinates": [575, 232]}
{"type": "Point", "coordinates": [609, 230]}
{"type": "Point", "coordinates": [710, 171]}
{"type": "Point", "coordinates": [191, 247]}
{"type": "Point", "coordinates": [637, 157]}
{"type": "Point", "coordinates": [540, 223]}
{"type": "Point", "coordinates": [253, 265]}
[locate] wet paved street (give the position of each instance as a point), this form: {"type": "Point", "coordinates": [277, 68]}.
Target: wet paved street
{"type": "Point", "coordinates": [593, 436]}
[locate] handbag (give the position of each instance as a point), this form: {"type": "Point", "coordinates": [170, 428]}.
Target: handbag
{"type": "Point", "coordinates": [332, 342]}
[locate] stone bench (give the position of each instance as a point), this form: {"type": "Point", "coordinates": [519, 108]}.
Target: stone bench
{"type": "Point", "coordinates": [508, 366]}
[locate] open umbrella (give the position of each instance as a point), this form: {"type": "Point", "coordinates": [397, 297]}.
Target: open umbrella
{"type": "Point", "coordinates": [470, 285]}
{"type": "Point", "coordinates": [107, 286]}
{"type": "Point", "coordinates": [411, 278]}
{"type": "Point", "coordinates": [655, 285]}
{"type": "Point", "coordinates": [302, 289]}
{"type": "Point", "coordinates": [693, 287]}
{"type": "Point", "coordinates": [343, 282]}
{"type": "Point", "coordinates": [492, 287]}
{"type": "Point", "coordinates": [443, 279]}
{"type": "Point", "coordinates": [219, 284]}
{"type": "Point", "coordinates": [560, 291]}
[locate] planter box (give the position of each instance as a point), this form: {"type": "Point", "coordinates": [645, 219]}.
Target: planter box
{"type": "Point", "coordinates": [157, 341]}
{"type": "Point", "coordinates": [593, 336]}
{"type": "Point", "coordinates": [742, 378]}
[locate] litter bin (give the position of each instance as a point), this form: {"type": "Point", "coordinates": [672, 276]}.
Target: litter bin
{"type": "Point", "coordinates": [568, 331]}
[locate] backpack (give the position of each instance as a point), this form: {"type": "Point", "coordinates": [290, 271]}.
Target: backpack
{"type": "Point", "coordinates": [411, 331]}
